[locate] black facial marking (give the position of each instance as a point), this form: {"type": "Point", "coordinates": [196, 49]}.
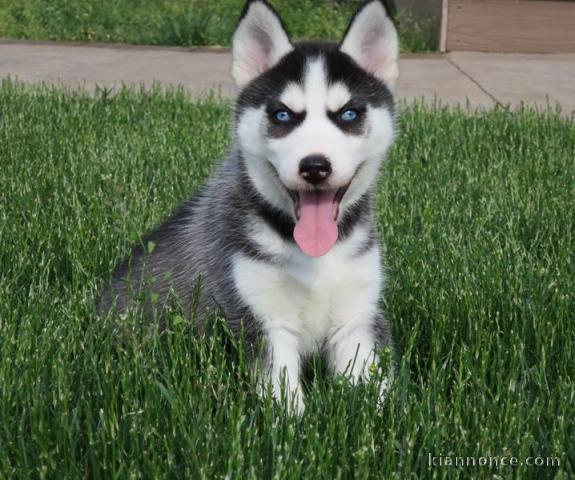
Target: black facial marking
{"type": "Point", "coordinates": [279, 221]}
{"type": "Point", "coordinates": [278, 129]}
{"type": "Point", "coordinates": [357, 213]}
{"type": "Point", "coordinates": [369, 243]}
{"type": "Point", "coordinates": [355, 127]}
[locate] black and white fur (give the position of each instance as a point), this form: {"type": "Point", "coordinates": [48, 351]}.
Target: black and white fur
{"type": "Point", "coordinates": [235, 238]}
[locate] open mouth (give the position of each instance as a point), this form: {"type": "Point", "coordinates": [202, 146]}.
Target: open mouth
{"type": "Point", "coordinates": [334, 195]}
{"type": "Point", "coordinates": [316, 213]}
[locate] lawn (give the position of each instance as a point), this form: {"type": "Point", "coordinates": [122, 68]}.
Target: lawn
{"type": "Point", "coordinates": [182, 23]}
{"type": "Point", "coordinates": [477, 222]}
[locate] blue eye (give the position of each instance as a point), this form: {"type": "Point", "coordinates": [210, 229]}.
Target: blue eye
{"type": "Point", "coordinates": [349, 115]}
{"type": "Point", "coordinates": [282, 116]}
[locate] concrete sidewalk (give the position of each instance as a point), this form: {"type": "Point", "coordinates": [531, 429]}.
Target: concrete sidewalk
{"type": "Point", "coordinates": [482, 79]}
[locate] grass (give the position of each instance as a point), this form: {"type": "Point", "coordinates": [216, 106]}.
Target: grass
{"type": "Point", "coordinates": [477, 222]}
{"type": "Point", "coordinates": [180, 23]}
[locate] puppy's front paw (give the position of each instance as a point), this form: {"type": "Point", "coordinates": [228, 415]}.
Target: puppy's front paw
{"type": "Point", "coordinates": [292, 399]}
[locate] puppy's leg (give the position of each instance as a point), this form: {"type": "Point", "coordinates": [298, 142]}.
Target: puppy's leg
{"type": "Point", "coordinates": [353, 350]}
{"type": "Point", "coordinates": [283, 368]}
{"type": "Point", "coordinates": [274, 299]}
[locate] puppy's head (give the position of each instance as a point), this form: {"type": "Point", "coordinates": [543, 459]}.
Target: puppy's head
{"type": "Point", "coordinates": [314, 120]}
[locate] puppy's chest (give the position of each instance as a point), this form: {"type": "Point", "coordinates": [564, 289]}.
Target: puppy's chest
{"type": "Point", "coordinates": [308, 297]}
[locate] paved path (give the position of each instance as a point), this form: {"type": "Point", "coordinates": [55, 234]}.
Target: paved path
{"type": "Point", "coordinates": [482, 79]}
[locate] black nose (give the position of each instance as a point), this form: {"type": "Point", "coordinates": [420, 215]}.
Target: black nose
{"type": "Point", "coordinates": [315, 169]}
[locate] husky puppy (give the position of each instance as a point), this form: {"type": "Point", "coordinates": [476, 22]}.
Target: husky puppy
{"type": "Point", "coordinates": [282, 238]}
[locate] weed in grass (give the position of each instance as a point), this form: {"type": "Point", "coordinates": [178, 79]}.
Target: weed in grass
{"type": "Point", "coordinates": [476, 216]}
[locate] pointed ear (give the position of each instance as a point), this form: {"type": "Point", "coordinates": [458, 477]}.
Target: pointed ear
{"type": "Point", "coordinates": [371, 40]}
{"type": "Point", "coordinates": [259, 42]}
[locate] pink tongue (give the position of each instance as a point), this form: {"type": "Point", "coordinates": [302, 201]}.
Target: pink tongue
{"type": "Point", "coordinates": [316, 230]}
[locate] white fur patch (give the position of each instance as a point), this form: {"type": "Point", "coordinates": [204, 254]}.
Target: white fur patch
{"type": "Point", "coordinates": [373, 149]}
{"type": "Point", "coordinates": [293, 97]}
{"type": "Point", "coordinates": [337, 96]}
{"type": "Point", "coordinates": [251, 136]}
{"type": "Point", "coordinates": [305, 304]}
